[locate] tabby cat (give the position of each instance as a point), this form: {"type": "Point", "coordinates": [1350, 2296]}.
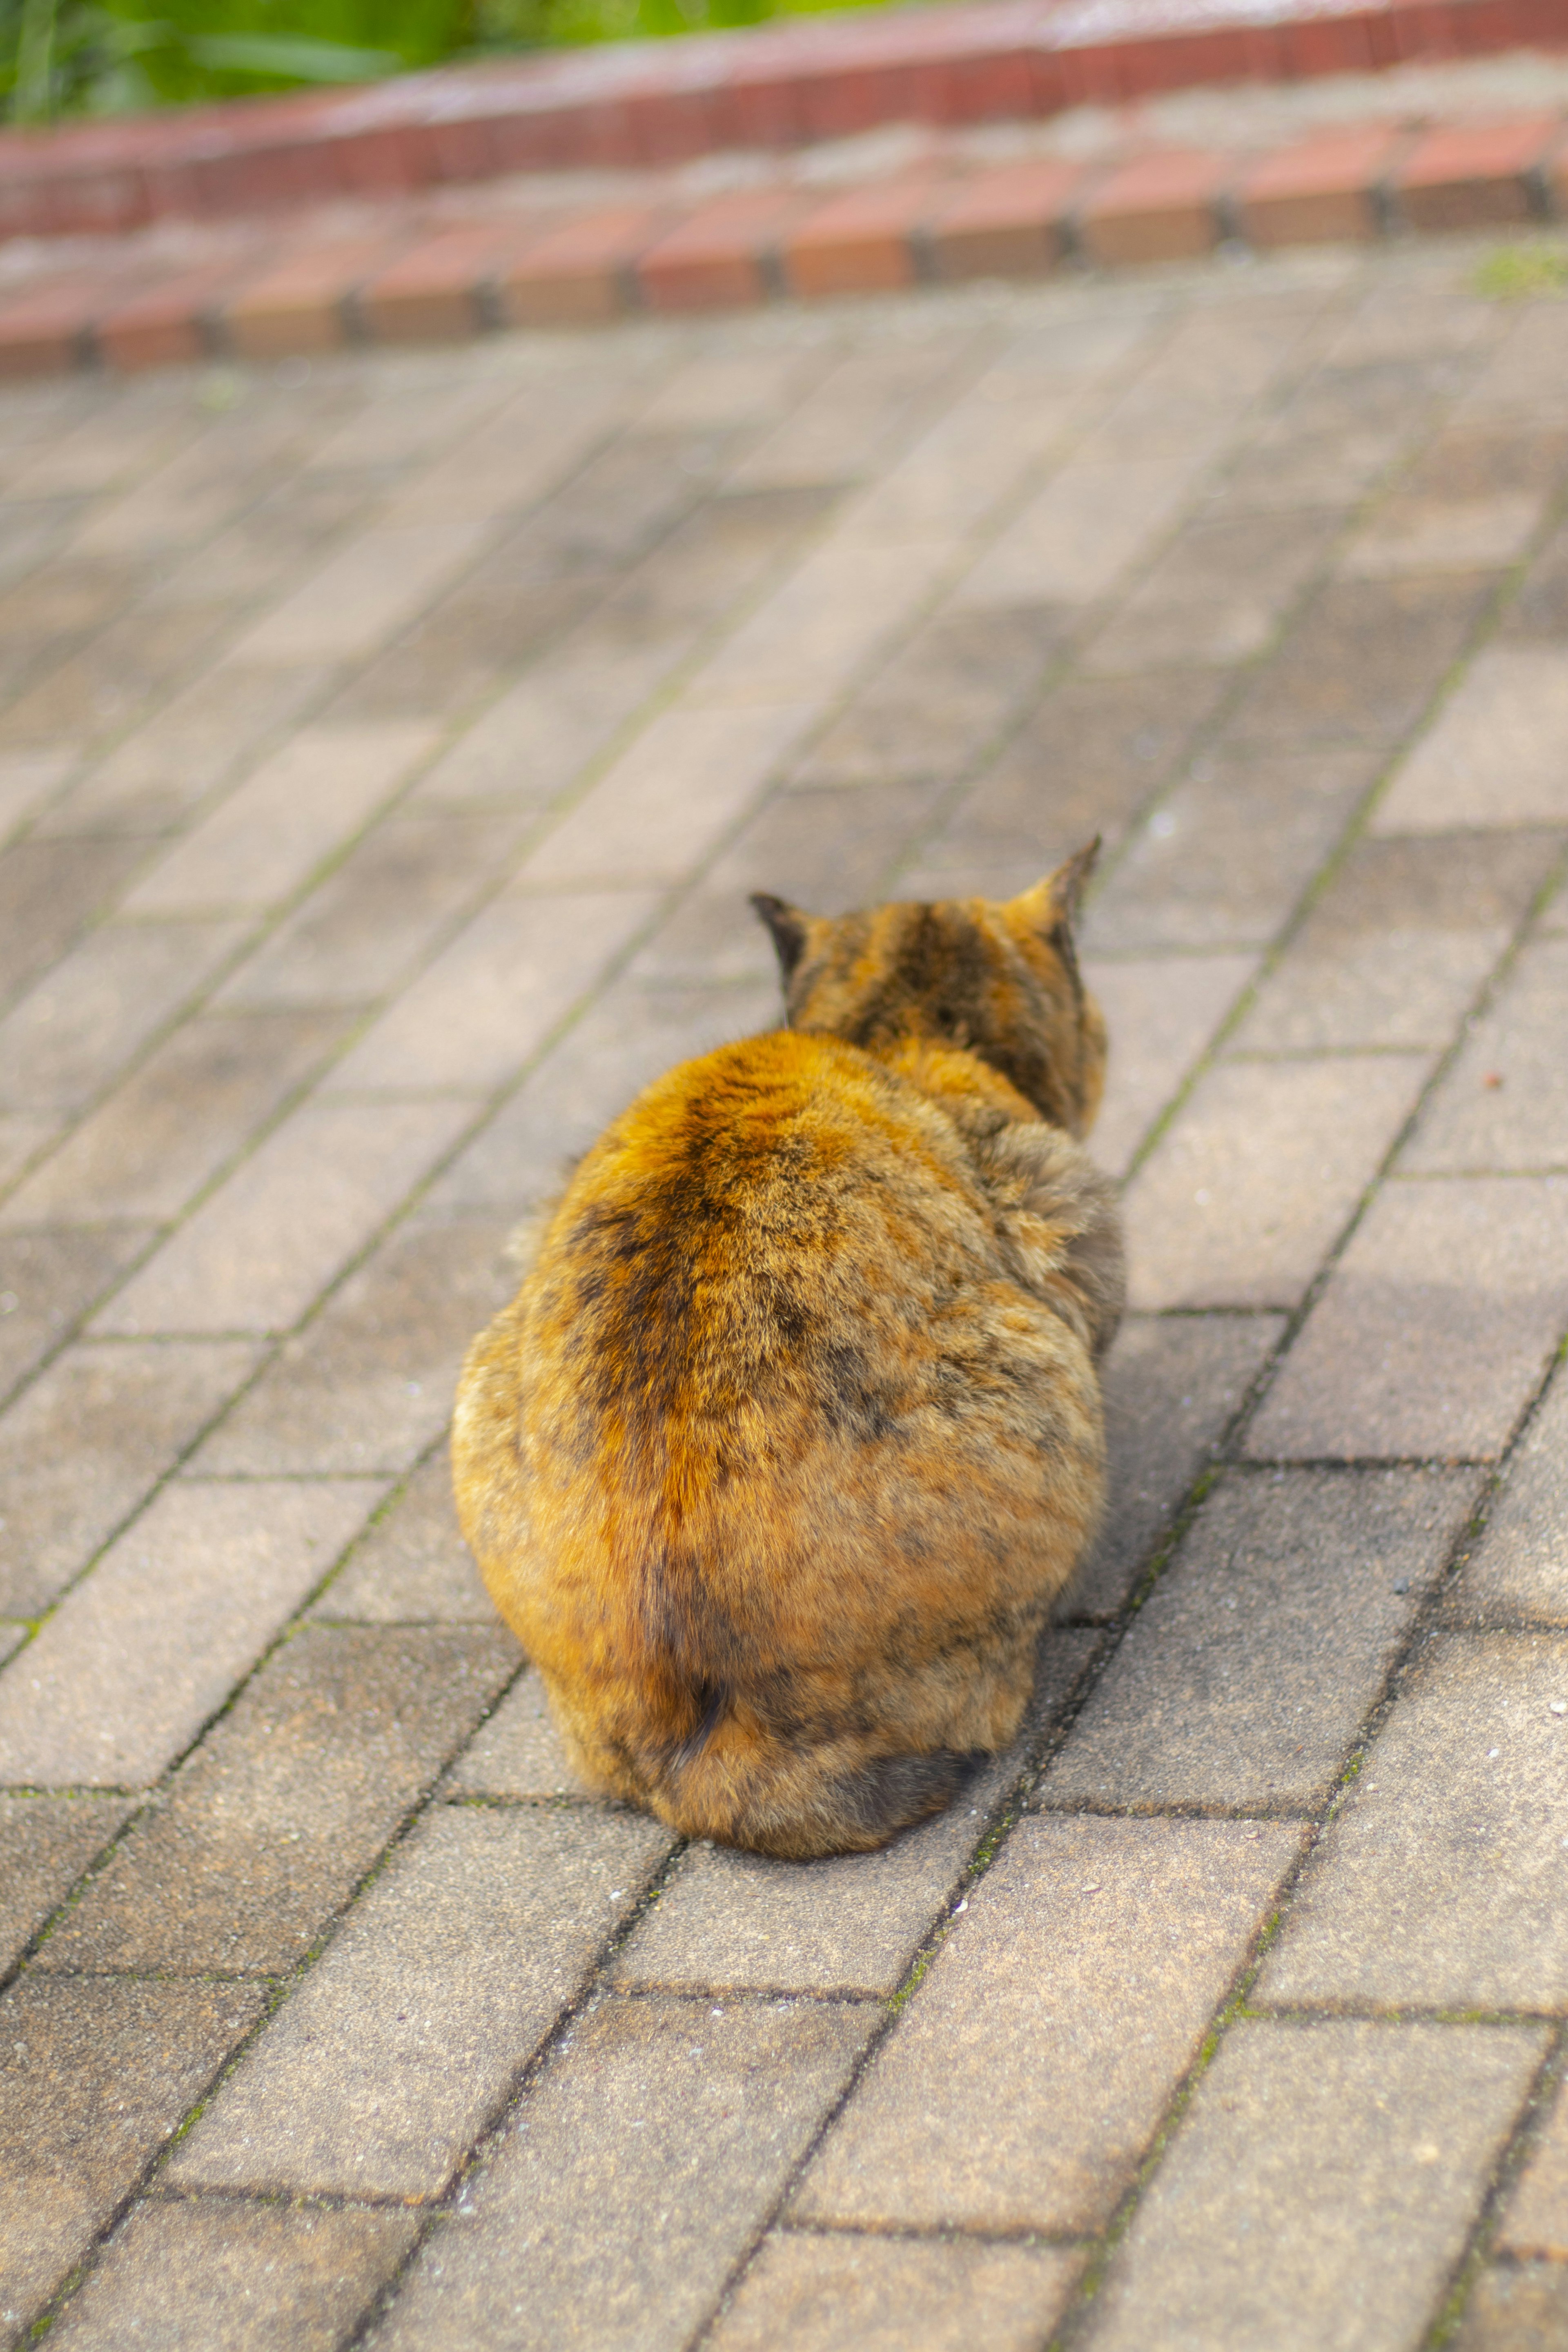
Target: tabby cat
{"type": "Point", "coordinates": [791, 1434]}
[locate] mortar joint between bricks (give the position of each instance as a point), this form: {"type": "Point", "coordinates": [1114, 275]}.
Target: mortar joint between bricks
{"type": "Point", "coordinates": [489, 308]}
{"type": "Point", "coordinates": [922, 246]}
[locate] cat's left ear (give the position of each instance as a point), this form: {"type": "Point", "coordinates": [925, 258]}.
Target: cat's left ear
{"type": "Point", "coordinates": [1053, 903]}
{"type": "Point", "coordinates": [789, 926]}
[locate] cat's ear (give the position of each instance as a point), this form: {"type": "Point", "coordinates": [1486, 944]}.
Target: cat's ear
{"type": "Point", "coordinates": [789, 926]}
{"type": "Point", "coordinates": [1053, 903]}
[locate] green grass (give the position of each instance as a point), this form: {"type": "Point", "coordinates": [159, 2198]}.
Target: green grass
{"type": "Point", "coordinates": [64, 58]}
{"type": "Point", "coordinates": [1516, 272]}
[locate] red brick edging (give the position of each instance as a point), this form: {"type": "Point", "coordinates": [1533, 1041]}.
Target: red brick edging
{"type": "Point", "coordinates": [938, 224]}
{"type": "Point", "coordinates": [648, 104]}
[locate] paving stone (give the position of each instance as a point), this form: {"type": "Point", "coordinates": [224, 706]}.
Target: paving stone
{"type": "Point", "coordinates": [1540, 609]}
{"type": "Point", "coordinates": [1401, 1358]}
{"type": "Point", "coordinates": [1032, 2066]}
{"type": "Point", "coordinates": [369, 1384]}
{"type": "Point", "coordinates": [1520, 1568]}
{"type": "Point", "coordinates": [1504, 1102]}
{"type": "Point", "coordinates": [492, 997]}
{"type": "Point", "coordinates": [844, 2294]}
{"type": "Point", "coordinates": [50, 891]}
{"type": "Point", "coordinates": [519, 1753]}
{"type": "Point", "coordinates": [267, 1829]}
{"type": "Point", "coordinates": [407, 2035]}
{"type": "Point", "coordinates": [269, 834]}
{"type": "Point", "coordinates": [1320, 2190]}
{"type": "Point", "coordinates": [1442, 1883]}
{"type": "Point", "coordinates": [121, 671]}
{"type": "Point", "coordinates": [636, 2173]}
{"type": "Point", "coordinates": [90, 1014]}
{"type": "Point", "coordinates": [46, 1844]}
{"type": "Point", "coordinates": [1515, 2308]}
{"type": "Point", "coordinates": [260, 1249]}
{"type": "Point", "coordinates": [371, 588]}
{"type": "Point", "coordinates": [1535, 2217]}
{"type": "Point", "coordinates": [412, 1564]}
{"type": "Point", "coordinates": [1160, 1011]}
{"type": "Point", "coordinates": [1396, 947]}
{"type": "Point", "coordinates": [142, 1651]}
{"type": "Point", "coordinates": [48, 1281]}
{"type": "Point", "coordinates": [1497, 753]}
{"type": "Point", "coordinates": [829, 849]}
{"type": "Point", "coordinates": [1248, 1673]}
{"type": "Point", "coordinates": [96, 2076]}
{"type": "Point", "coordinates": [207, 480]}
{"type": "Point", "coordinates": [1084, 762]}
{"type": "Point", "coordinates": [627, 1037]}
{"type": "Point", "coordinates": [1522, 372]}
{"type": "Point", "coordinates": [1173, 1384]}
{"type": "Point", "coordinates": [358, 935]}
{"type": "Point", "coordinates": [944, 697]}
{"type": "Point", "coordinates": [1256, 1175]}
{"type": "Point", "coordinates": [201, 2276]}
{"type": "Point", "coordinates": [1083, 532]}
{"type": "Point", "coordinates": [1216, 594]}
{"type": "Point", "coordinates": [533, 744]}
{"type": "Point", "coordinates": [28, 781]}
{"type": "Point", "coordinates": [194, 743]}
{"type": "Point", "coordinates": [1472, 500]}
{"type": "Point", "coordinates": [120, 1416]}
{"type": "Point", "coordinates": [1225, 857]}
{"type": "Point", "coordinates": [23, 1136]}
{"type": "Point", "coordinates": [727, 1920]}
{"type": "Point", "coordinates": [860, 410]}
{"type": "Point", "coordinates": [1363, 661]}
{"type": "Point", "coordinates": [692, 774]}
{"type": "Point", "coordinates": [167, 1131]}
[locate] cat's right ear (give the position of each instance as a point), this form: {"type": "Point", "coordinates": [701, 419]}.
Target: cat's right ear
{"type": "Point", "coordinates": [789, 926]}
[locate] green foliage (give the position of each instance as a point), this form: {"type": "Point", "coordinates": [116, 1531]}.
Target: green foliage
{"type": "Point", "coordinates": [114, 56]}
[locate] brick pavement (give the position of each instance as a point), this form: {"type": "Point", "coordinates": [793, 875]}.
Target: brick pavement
{"type": "Point", "coordinates": [386, 751]}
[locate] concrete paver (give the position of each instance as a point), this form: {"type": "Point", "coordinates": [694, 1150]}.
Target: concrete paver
{"type": "Point", "coordinates": [1247, 1673]}
{"type": "Point", "coordinates": [1051, 2028]}
{"type": "Point", "coordinates": [197, 1101]}
{"type": "Point", "coordinates": [412, 1564]}
{"type": "Point", "coordinates": [94, 2077]}
{"type": "Point", "coordinates": [221, 2277]}
{"type": "Point", "coordinates": [454, 1967]}
{"type": "Point", "coordinates": [142, 1651]}
{"type": "Point", "coordinates": [1210, 1224]}
{"type": "Point", "coordinates": [633, 2177]}
{"type": "Point", "coordinates": [1504, 1104]}
{"type": "Point", "coordinates": [1444, 1882]}
{"type": "Point", "coordinates": [384, 760]}
{"type": "Point", "coordinates": [121, 1414]}
{"type": "Point", "coordinates": [287, 1802]}
{"type": "Point", "coordinates": [1396, 949]}
{"type": "Point", "coordinates": [1519, 1570]}
{"type": "Point", "coordinates": [1320, 2189]}
{"type": "Point", "coordinates": [46, 1844]}
{"type": "Point", "coordinates": [1535, 2218]}
{"type": "Point", "coordinates": [845, 2294]}
{"type": "Point", "coordinates": [1437, 1326]}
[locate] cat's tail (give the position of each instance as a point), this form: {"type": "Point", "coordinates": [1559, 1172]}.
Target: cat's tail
{"type": "Point", "coordinates": [745, 1785]}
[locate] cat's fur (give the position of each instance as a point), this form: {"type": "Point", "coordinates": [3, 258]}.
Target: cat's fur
{"type": "Point", "coordinates": [791, 1434]}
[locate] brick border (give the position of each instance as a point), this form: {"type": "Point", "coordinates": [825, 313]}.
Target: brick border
{"type": "Point", "coordinates": [649, 104]}
{"type": "Point", "coordinates": [294, 291]}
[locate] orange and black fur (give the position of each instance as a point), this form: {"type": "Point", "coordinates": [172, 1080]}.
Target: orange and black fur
{"type": "Point", "coordinates": [781, 1454]}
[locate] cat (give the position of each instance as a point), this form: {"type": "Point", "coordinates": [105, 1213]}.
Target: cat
{"type": "Point", "coordinates": [793, 1434]}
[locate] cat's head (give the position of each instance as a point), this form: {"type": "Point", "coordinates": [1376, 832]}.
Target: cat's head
{"type": "Point", "coordinates": [998, 976]}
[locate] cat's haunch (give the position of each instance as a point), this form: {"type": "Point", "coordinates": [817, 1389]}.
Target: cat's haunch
{"type": "Point", "coordinates": [792, 1435]}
